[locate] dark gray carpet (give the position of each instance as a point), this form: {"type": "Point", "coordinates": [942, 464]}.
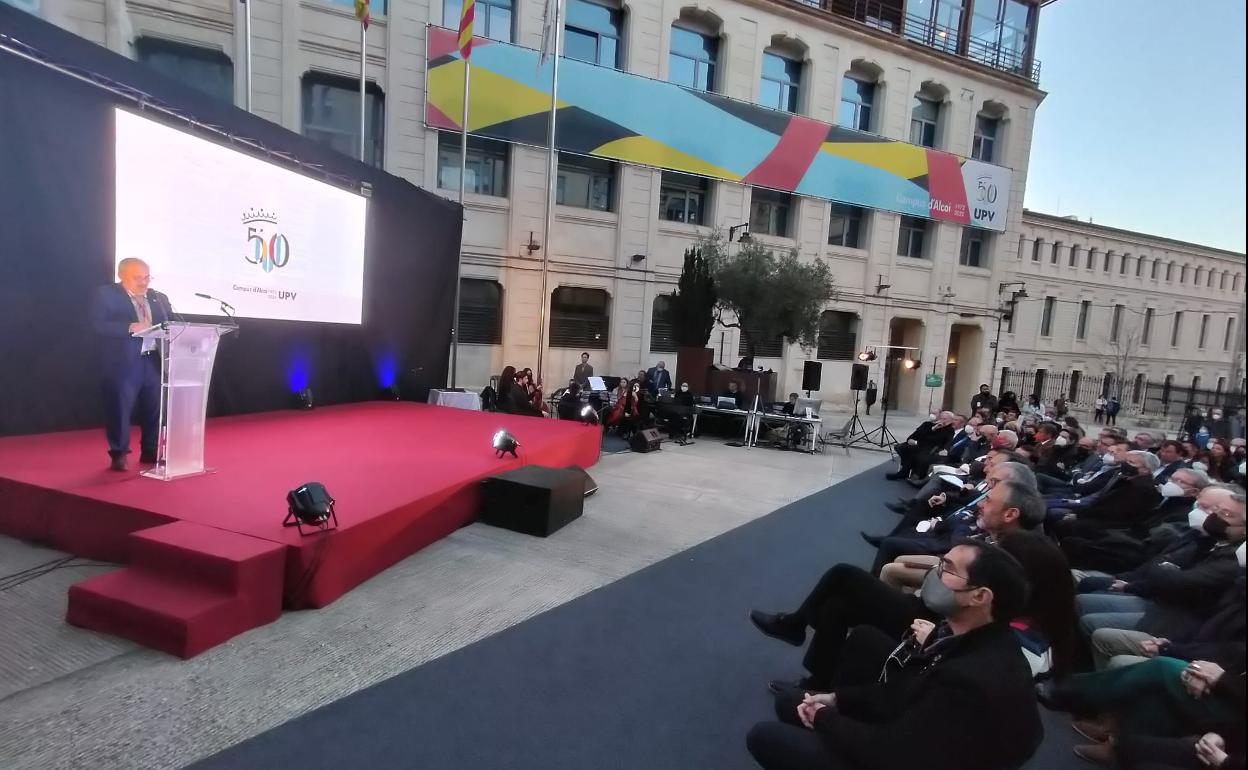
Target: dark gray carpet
{"type": "Point", "coordinates": [659, 670]}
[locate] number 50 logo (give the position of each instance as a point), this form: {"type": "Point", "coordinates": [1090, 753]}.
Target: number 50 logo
{"type": "Point", "coordinates": [270, 254]}
{"type": "Point", "coordinates": [985, 190]}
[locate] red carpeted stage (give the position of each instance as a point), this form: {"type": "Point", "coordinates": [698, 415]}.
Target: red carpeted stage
{"type": "Point", "coordinates": [208, 557]}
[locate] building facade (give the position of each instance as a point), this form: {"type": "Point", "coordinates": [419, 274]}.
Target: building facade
{"type": "Point", "coordinates": [1118, 312]}
{"type": "Point", "coordinates": [955, 75]}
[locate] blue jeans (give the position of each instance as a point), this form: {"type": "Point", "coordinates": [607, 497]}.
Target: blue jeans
{"type": "Point", "coordinates": [1109, 609]}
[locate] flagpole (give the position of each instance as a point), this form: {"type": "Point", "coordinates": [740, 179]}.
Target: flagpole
{"type": "Point", "coordinates": [550, 190]}
{"type": "Point", "coordinates": [363, 66]}
{"type": "Point", "coordinates": [463, 183]}
{"type": "Point", "coordinates": [247, 48]}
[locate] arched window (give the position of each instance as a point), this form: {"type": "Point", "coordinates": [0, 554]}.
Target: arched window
{"type": "Point", "coordinates": [1091, 259]}
{"type": "Point", "coordinates": [781, 84]}
{"type": "Point", "coordinates": [1122, 266]}
{"type": "Point", "coordinates": [1169, 271]}
{"type": "Point", "coordinates": [987, 144]}
{"type": "Point", "coordinates": [480, 312]}
{"type": "Point", "coordinates": [580, 318]}
{"type": "Point", "coordinates": [861, 96]}
{"type": "Point", "coordinates": [693, 58]}
{"type": "Point", "coordinates": [1222, 282]}
{"type": "Point", "coordinates": [1139, 267]}
{"type": "Point", "coordinates": [1057, 245]}
{"type": "Point", "coordinates": [926, 113]}
{"type": "Point", "coordinates": [593, 33]}
{"type": "Point", "coordinates": [1036, 248]}
{"type": "Point", "coordinates": [662, 339]}
{"type": "Point", "coordinates": [1156, 267]}
{"type": "Point", "coordinates": [1074, 255]}
{"type": "Point", "coordinates": [1235, 283]}
{"type": "Point", "coordinates": [1209, 279]}
{"type": "Point", "coordinates": [1109, 258]}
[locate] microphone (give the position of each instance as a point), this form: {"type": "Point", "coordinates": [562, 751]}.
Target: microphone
{"type": "Point", "coordinates": [226, 307]}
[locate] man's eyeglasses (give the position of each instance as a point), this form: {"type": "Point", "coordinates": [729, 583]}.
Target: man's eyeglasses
{"type": "Point", "coordinates": [942, 569]}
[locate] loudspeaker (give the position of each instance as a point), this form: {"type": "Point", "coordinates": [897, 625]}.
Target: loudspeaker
{"type": "Point", "coordinates": [645, 440]}
{"type": "Point", "coordinates": [812, 372]}
{"type": "Point", "coordinates": [591, 486]}
{"type": "Point", "coordinates": [533, 500]}
{"type": "Point", "coordinates": [858, 377]}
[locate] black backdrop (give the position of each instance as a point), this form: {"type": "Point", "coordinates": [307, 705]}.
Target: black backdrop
{"type": "Point", "coordinates": [57, 236]}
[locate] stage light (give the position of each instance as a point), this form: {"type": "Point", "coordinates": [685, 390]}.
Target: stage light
{"type": "Point", "coordinates": [909, 363]}
{"type": "Point", "coordinates": [305, 398]}
{"type": "Point", "coordinates": [504, 442]}
{"type": "Point", "coordinates": [310, 505]}
{"type": "Point", "coordinates": [391, 393]}
{"type": "Point", "coordinates": [588, 415]}
{"type": "Point", "coordinates": [867, 355]}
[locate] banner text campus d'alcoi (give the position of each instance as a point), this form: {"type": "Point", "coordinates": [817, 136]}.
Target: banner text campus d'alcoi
{"type": "Point", "coordinates": [610, 114]}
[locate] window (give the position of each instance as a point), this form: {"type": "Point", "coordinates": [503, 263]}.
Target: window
{"type": "Point", "coordinates": [1115, 325]}
{"type": "Point", "coordinates": [1183, 274]}
{"type": "Point", "coordinates": [838, 336]}
{"type": "Point", "coordinates": [1122, 265]}
{"type": "Point", "coordinates": [1199, 274]}
{"type": "Point", "coordinates": [1072, 393]}
{"type": "Point", "coordinates": [924, 117]}
{"type": "Point", "coordinates": [1156, 267]}
{"type": "Point", "coordinates": [579, 318]}
{"type": "Point", "coordinates": [331, 115]}
{"type": "Point", "coordinates": [1170, 271]}
{"type": "Point", "coordinates": [1176, 329]}
{"type": "Point", "coordinates": [1057, 246]}
{"type": "Point", "coordinates": [1139, 267]}
{"type": "Point", "coordinates": [1235, 284]}
{"type": "Point", "coordinates": [857, 102]}
{"type": "Point", "coordinates": [769, 212]}
{"type": "Point", "coordinates": [480, 312]}
{"type": "Point", "coordinates": [492, 18]}
{"type": "Point", "coordinates": [1109, 257]}
{"type": "Point", "coordinates": [1137, 389]}
{"type": "Point", "coordinates": [592, 33]}
{"type": "Point", "coordinates": [1074, 255]}
{"type": "Point", "coordinates": [984, 145]}
{"type": "Point", "coordinates": [203, 69]}
{"type": "Point", "coordinates": [1147, 334]}
{"type": "Point", "coordinates": [847, 226]}
{"type": "Point", "coordinates": [763, 348]}
{"type": "Point", "coordinates": [911, 236]}
{"type": "Point", "coordinates": [1230, 332]}
{"type": "Point", "coordinates": [1036, 248]}
{"type": "Point", "coordinates": [974, 251]}
{"type": "Point", "coordinates": [684, 198]}
{"type": "Point", "coordinates": [1209, 279]}
{"type": "Point", "coordinates": [1195, 384]}
{"type": "Point", "coordinates": [1091, 259]}
{"type": "Point", "coordinates": [662, 338]}
{"type": "Point", "coordinates": [1221, 385]}
{"type": "Point", "coordinates": [1000, 32]}
{"type": "Point", "coordinates": [691, 61]}
{"type": "Point", "coordinates": [781, 82]}
{"type": "Point", "coordinates": [486, 167]}
{"type": "Point", "coordinates": [1046, 320]}
{"type": "Point", "coordinates": [585, 183]}
{"type": "Point", "coordinates": [1081, 329]}
{"type": "Point", "coordinates": [1166, 388]}
{"type": "Point", "coordinates": [1221, 282]}
{"type": "Point", "coordinates": [1204, 331]}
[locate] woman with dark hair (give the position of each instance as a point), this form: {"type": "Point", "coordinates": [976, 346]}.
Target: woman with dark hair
{"type": "Point", "coordinates": [1221, 464]}
{"type": "Point", "coordinates": [533, 389]}
{"type": "Point", "coordinates": [506, 381]}
{"type": "Point", "coordinates": [1008, 402]}
{"type": "Point", "coordinates": [1046, 626]}
{"type": "Point", "coordinates": [625, 416]}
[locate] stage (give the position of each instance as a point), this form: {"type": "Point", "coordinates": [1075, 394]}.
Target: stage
{"type": "Point", "coordinates": [207, 556]}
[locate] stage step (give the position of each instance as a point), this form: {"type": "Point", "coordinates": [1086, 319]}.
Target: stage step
{"type": "Point", "coordinates": [188, 588]}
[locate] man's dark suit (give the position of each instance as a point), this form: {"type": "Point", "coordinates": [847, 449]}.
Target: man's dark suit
{"type": "Point", "coordinates": [582, 373]}
{"type": "Point", "coordinates": [929, 439]}
{"type": "Point", "coordinates": [657, 379]}
{"type": "Point", "coordinates": [130, 381]}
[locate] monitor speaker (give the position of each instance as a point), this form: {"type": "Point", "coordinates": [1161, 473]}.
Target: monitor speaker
{"type": "Point", "coordinates": [534, 500]}
{"type": "Point", "coordinates": [812, 372]}
{"type": "Point", "coordinates": [858, 377]}
{"type": "Point", "coordinates": [645, 440]}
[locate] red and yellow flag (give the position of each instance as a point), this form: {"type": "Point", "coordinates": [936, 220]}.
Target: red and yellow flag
{"type": "Point", "coordinates": [361, 12]}
{"type": "Point", "coordinates": [465, 29]}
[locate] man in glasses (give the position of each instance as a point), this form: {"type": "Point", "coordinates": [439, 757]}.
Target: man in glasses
{"type": "Point", "coordinates": [956, 694]}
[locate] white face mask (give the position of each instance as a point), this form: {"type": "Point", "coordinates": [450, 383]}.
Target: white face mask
{"type": "Point", "coordinates": [1196, 517]}
{"type": "Point", "coordinates": [1239, 554]}
{"type": "Point", "coordinates": [1108, 458]}
{"type": "Point", "coordinates": [970, 430]}
{"type": "Point", "coordinates": [1171, 489]}
{"type": "Point", "coordinates": [1061, 441]}
{"type": "Point", "coordinates": [931, 418]}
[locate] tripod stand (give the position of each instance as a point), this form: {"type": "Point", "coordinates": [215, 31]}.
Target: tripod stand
{"type": "Point", "coordinates": [855, 430]}
{"type": "Point", "coordinates": [881, 437]}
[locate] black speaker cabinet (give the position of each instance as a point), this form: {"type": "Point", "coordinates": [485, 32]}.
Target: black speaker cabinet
{"type": "Point", "coordinates": [812, 373]}
{"type": "Point", "coordinates": [534, 499]}
{"type": "Point", "coordinates": [858, 377]}
{"type": "Point", "coordinates": [645, 440]}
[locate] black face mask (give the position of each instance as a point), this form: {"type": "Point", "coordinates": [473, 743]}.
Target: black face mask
{"type": "Point", "coordinates": [977, 469]}
{"type": "Point", "coordinates": [1129, 471]}
{"type": "Point", "coordinates": [1214, 526]}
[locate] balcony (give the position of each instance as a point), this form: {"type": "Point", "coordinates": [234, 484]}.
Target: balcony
{"type": "Point", "coordinates": [886, 16]}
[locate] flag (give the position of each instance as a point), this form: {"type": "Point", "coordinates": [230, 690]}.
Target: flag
{"type": "Point", "coordinates": [465, 28]}
{"type": "Point", "coordinates": [361, 12]}
{"type": "Point", "coordinates": [548, 32]}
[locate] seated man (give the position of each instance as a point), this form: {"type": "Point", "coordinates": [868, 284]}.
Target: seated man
{"type": "Point", "coordinates": [847, 596]}
{"type": "Point", "coordinates": [915, 453]}
{"type": "Point", "coordinates": [966, 673]}
{"type": "Point", "coordinates": [1173, 457]}
{"type": "Point", "coordinates": [1120, 505]}
{"type": "Point", "coordinates": [1094, 465]}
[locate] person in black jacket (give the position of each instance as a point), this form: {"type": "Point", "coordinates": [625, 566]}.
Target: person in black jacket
{"type": "Point", "coordinates": [964, 672]}
{"type": "Point", "coordinates": [984, 400]}
{"type": "Point", "coordinates": [914, 455]}
{"type": "Point", "coordinates": [1125, 500]}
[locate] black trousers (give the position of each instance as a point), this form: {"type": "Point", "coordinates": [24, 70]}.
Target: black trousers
{"type": "Point", "coordinates": [129, 393]}
{"type": "Point", "coordinates": [848, 596]}
{"type": "Point", "coordinates": [1145, 752]}
{"type": "Point", "coordinates": [788, 744]}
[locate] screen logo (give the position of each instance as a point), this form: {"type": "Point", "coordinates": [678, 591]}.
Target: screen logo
{"type": "Point", "coordinates": [266, 247]}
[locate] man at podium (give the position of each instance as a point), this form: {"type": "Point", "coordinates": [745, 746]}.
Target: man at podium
{"type": "Point", "coordinates": [129, 366]}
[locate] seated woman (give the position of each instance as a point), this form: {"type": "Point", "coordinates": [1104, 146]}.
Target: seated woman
{"type": "Point", "coordinates": [533, 389]}
{"type": "Point", "coordinates": [570, 405]}
{"type": "Point", "coordinates": [506, 382]}
{"type": "Point", "coordinates": [625, 416]}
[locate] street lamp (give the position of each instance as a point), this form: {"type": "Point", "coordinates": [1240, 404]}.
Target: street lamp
{"type": "Point", "coordinates": [996, 346]}
{"type": "Point", "coordinates": [745, 236]}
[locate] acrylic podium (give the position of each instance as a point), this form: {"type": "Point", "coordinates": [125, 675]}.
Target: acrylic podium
{"type": "Point", "coordinates": [187, 352]}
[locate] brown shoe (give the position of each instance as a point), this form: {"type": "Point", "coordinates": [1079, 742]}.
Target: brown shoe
{"type": "Point", "coordinates": [1092, 729]}
{"type": "Point", "coordinates": [1096, 753]}
{"type": "Point", "coordinates": [118, 463]}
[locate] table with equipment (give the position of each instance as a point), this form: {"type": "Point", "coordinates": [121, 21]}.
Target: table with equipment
{"type": "Point", "coordinates": [456, 398]}
{"type": "Point", "coordinates": [813, 424]}
{"type": "Point", "coordinates": [744, 414]}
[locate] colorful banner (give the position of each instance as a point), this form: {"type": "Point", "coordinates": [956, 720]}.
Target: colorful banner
{"type": "Point", "coordinates": [610, 114]}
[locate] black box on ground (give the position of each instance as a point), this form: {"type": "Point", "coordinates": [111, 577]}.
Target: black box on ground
{"type": "Point", "coordinates": [534, 499]}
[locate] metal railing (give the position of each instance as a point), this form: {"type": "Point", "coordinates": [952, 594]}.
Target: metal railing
{"type": "Point", "coordinates": [1141, 397]}
{"type": "Point", "coordinates": [886, 16]}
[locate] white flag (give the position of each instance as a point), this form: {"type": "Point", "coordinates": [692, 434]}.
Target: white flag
{"type": "Point", "coordinates": [550, 17]}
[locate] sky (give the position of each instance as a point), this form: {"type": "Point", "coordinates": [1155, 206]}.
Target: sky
{"type": "Point", "coordinates": [1143, 125]}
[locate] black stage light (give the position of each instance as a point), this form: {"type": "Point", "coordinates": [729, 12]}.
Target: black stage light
{"type": "Point", "coordinates": [504, 442]}
{"type": "Point", "coordinates": [305, 398]}
{"type": "Point", "coordinates": [588, 415]}
{"type": "Point", "coordinates": [310, 505]}
{"type": "Point", "coordinates": [867, 355]}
